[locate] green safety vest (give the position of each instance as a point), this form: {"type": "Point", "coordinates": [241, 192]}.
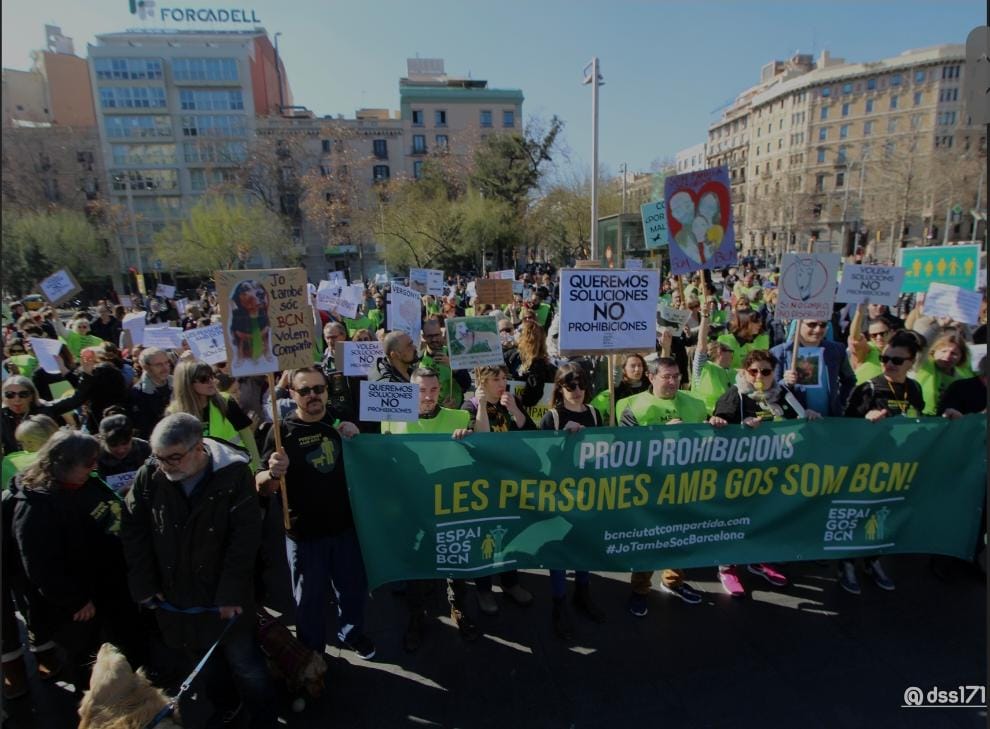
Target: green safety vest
{"type": "Point", "coordinates": [13, 464]}
{"type": "Point", "coordinates": [469, 311]}
{"type": "Point", "coordinates": [652, 410]}
{"type": "Point", "coordinates": [712, 384]}
{"type": "Point", "coordinates": [448, 385]}
{"type": "Point", "coordinates": [376, 316]}
{"type": "Point", "coordinates": [446, 421]}
{"type": "Point", "coordinates": [26, 363]}
{"type": "Point", "coordinates": [740, 350]}
{"type": "Point", "coordinates": [219, 427]}
{"type": "Point", "coordinates": [869, 367]}
{"type": "Point", "coordinates": [934, 383]}
{"type": "Point", "coordinates": [543, 314]}
{"type": "Point", "coordinates": [365, 322]}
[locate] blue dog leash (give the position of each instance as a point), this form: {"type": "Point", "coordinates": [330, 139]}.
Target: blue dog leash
{"type": "Point", "coordinates": [169, 708]}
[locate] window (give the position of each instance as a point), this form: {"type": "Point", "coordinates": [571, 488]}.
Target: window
{"type": "Point", "coordinates": [869, 106]}
{"type": "Point", "coordinates": [143, 154]}
{"type": "Point", "coordinates": [823, 134]}
{"type": "Point", "coordinates": [440, 118]}
{"type": "Point", "coordinates": [867, 128]}
{"type": "Point", "coordinates": [213, 125]}
{"type": "Point", "coordinates": [840, 179]}
{"type": "Point", "coordinates": [916, 120]}
{"type": "Point", "coordinates": [380, 148]}
{"type": "Point", "coordinates": [821, 155]}
{"type": "Point", "coordinates": [200, 180]}
{"type": "Point", "coordinates": [948, 95]}
{"type": "Point", "coordinates": [919, 77]}
{"type": "Point", "coordinates": [844, 131]}
{"type": "Point", "coordinates": [826, 91]}
{"type": "Point", "coordinates": [917, 98]}
{"type": "Point", "coordinates": [893, 102]}
{"type": "Point", "coordinates": [819, 183]}
{"type": "Point", "coordinates": [132, 97]}
{"type": "Point", "coordinates": [325, 171]}
{"type": "Point", "coordinates": [946, 118]}
{"type": "Point", "coordinates": [215, 151]}
{"type": "Point", "coordinates": [442, 141]}
{"type": "Point", "coordinates": [824, 114]}
{"type": "Point", "coordinates": [950, 72]}
{"type": "Point", "coordinates": [840, 158]}
{"type": "Point", "coordinates": [891, 125]}
{"type": "Point", "coordinates": [871, 84]}
{"type": "Point", "coordinates": [845, 109]}
{"type": "Point", "coordinates": [380, 173]}
{"type": "Point", "coordinates": [137, 127]}
{"type": "Point", "coordinates": [419, 144]}
{"type": "Point", "coordinates": [486, 118]}
{"type": "Point", "coordinates": [847, 88]}
{"type": "Point", "coordinates": [145, 179]}
{"type": "Point", "coordinates": [326, 145]}
{"type": "Point", "coordinates": [208, 100]}
{"type": "Point", "coordinates": [418, 169]}
{"type": "Point", "coordinates": [888, 148]}
{"type": "Point", "coordinates": [127, 69]}
{"type": "Point", "coordinates": [204, 69]}
{"type": "Point", "coordinates": [417, 119]}
{"type": "Point", "coordinates": [895, 79]}
{"type": "Point", "coordinates": [945, 142]}
{"type": "Point", "coordinates": [508, 118]}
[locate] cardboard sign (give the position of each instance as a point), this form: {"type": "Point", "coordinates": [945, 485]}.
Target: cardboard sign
{"type": "Point", "coordinates": [59, 287]}
{"type": "Point", "coordinates": [474, 341]}
{"type": "Point", "coordinates": [807, 286]}
{"type": "Point", "coordinates": [699, 220]}
{"type": "Point", "coordinates": [267, 320]}
{"type": "Point", "coordinates": [207, 344]}
{"type": "Point", "coordinates": [357, 359]}
{"type": "Point", "coordinates": [953, 265]}
{"type": "Point", "coordinates": [389, 401]}
{"type": "Point", "coordinates": [493, 291]}
{"type": "Point", "coordinates": [405, 312]}
{"type": "Point", "coordinates": [121, 482]}
{"type": "Point", "coordinates": [654, 216]}
{"type": "Point", "coordinates": [46, 351]}
{"type": "Point", "coordinates": [426, 280]}
{"type": "Point", "coordinates": [605, 310]}
{"type": "Point", "coordinates": [953, 302]}
{"type": "Point", "coordinates": [870, 284]}
{"type": "Point", "coordinates": [163, 337]}
{"type": "Point", "coordinates": [133, 324]}
{"type": "Point", "coordinates": [165, 291]}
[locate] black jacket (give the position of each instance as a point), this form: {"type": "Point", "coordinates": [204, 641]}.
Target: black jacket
{"type": "Point", "coordinates": [198, 551]}
{"type": "Point", "coordinates": [729, 408]}
{"type": "Point", "coordinates": [147, 405]}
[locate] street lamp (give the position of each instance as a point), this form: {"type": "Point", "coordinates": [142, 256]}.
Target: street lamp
{"type": "Point", "coordinates": [278, 75]}
{"type": "Point", "coordinates": [845, 200]}
{"type": "Point", "coordinates": [592, 75]}
{"type": "Point", "coordinates": [126, 179]}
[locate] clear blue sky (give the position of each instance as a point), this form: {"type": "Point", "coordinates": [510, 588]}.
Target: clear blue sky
{"type": "Point", "coordinates": [667, 65]}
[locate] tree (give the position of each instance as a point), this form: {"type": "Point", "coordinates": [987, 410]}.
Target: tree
{"type": "Point", "coordinates": [222, 233]}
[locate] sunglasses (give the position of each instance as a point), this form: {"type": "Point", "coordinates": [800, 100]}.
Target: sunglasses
{"type": "Point", "coordinates": [815, 324]}
{"type": "Point", "coordinates": [204, 379]}
{"type": "Point", "coordinates": [315, 389]}
{"type": "Point", "coordinates": [765, 371]}
{"type": "Point", "coordinates": [884, 333]}
{"type": "Point", "coordinates": [14, 394]}
{"type": "Point", "coordinates": [893, 360]}
{"type": "Point", "coordinates": [505, 331]}
{"type": "Point", "coordinates": [572, 385]}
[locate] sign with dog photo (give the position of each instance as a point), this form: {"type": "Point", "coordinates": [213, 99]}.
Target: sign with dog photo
{"type": "Point", "coordinates": [473, 341]}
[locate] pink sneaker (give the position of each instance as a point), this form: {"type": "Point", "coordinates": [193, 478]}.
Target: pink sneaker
{"type": "Point", "coordinates": [768, 573]}
{"type": "Point", "coordinates": [730, 581]}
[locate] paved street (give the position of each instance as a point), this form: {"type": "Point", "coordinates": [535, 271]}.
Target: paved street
{"type": "Point", "coordinates": [808, 655]}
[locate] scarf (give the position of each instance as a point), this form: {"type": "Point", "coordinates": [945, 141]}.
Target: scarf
{"type": "Point", "coordinates": [767, 400]}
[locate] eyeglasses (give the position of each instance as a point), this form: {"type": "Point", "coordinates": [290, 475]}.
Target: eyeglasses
{"type": "Point", "coordinates": [884, 333]}
{"type": "Point", "coordinates": [315, 389]}
{"type": "Point", "coordinates": [505, 331]}
{"type": "Point", "coordinates": [173, 460]}
{"type": "Point", "coordinates": [893, 360]}
{"type": "Point", "coordinates": [765, 371]}
{"type": "Point", "coordinates": [815, 324]}
{"type": "Point", "coordinates": [14, 394]}
{"type": "Point", "coordinates": [205, 379]}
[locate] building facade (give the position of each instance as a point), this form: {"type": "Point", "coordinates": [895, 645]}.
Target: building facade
{"type": "Point", "coordinates": [691, 159]}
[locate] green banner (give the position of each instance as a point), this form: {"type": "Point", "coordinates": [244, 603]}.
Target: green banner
{"type": "Point", "coordinates": [623, 499]}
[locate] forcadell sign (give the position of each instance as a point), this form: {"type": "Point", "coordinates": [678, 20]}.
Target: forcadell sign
{"type": "Point", "coordinates": [145, 9]}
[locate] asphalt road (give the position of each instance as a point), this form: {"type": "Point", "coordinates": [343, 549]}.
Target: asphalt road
{"type": "Point", "coordinates": [806, 655]}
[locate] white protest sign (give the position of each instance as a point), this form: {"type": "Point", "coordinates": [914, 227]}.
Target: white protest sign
{"type": "Point", "coordinates": [59, 286]}
{"type": "Point", "coordinates": [604, 310]}
{"type": "Point", "coordinates": [807, 286]}
{"type": "Point", "coordinates": [405, 312]}
{"type": "Point", "coordinates": [474, 342]}
{"type": "Point", "coordinates": [426, 280]}
{"type": "Point", "coordinates": [357, 359]}
{"type": "Point", "coordinates": [163, 337]}
{"type": "Point", "coordinates": [381, 278]}
{"type": "Point", "coordinates": [165, 291]}
{"type": "Point", "coordinates": [389, 401]}
{"type": "Point", "coordinates": [134, 324]}
{"type": "Point", "coordinates": [470, 290]}
{"type": "Point", "coordinates": [518, 287]}
{"type": "Point", "coordinates": [353, 294]}
{"type": "Point", "coordinates": [669, 313]}
{"type": "Point", "coordinates": [507, 274]}
{"type": "Point", "coordinates": [207, 344]}
{"type": "Point", "coordinates": [181, 305]}
{"type": "Point", "coordinates": [870, 284]}
{"type": "Point", "coordinates": [348, 302]}
{"type": "Point", "coordinates": [126, 301]}
{"type": "Point", "coordinates": [337, 278]}
{"type": "Point", "coordinates": [121, 482]}
{"type": "Point", "coordinates": [327, 295]}
{"type": "Point", "coordinates": [953, 302]}
{"type": "Point", "coordinates": [46, 351]}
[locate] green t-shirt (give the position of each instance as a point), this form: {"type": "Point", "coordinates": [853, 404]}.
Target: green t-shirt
{"type": "Point", "coordinates": [652, 410]}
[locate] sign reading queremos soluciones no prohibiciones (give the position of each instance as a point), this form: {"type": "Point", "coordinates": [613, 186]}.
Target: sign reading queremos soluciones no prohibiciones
{"type": "Point", "coordinates": [608, 310]}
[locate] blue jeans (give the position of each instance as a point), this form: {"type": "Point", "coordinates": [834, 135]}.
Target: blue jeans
{"type": "Point", "coordinates": [558, 581]}
{"type": "Point", "coordinates": [318, 566]}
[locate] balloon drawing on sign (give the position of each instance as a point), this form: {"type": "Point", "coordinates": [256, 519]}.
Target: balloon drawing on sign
{"type": "Point", "coordinates": [804, 279]}
{"type": "Point", "coordinates": [698, 221]}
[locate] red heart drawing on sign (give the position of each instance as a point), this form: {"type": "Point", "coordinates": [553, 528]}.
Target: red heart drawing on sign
{"type": "Point", "coordinates": [698, 220]}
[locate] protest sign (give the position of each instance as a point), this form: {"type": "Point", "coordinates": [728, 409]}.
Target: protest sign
{"type": "Point", "coordinates": [165, 291]}
{"type": "Point", "coordinates": [953, 265]}
{"type": "Point", "coordinates": [327, 295]}
{"type": "Point", "coordinates": [121, 482]}
{"type": "Point", "coordinates": [518, 287]}
{"type": "Point", "coordinates": [539, 409]}
{"type": "Point", "coordinates": [337, 278]}
{"type": "Point", "coordinates": [623, 499]}
{"type": "Point", "coordinates": [506, 275]}
{"type": "Point", "coordinates": [654, 216]}
{"type": "Point", "coordinates": [634, 264]}
{"type": "Point", "coordinates": [357, 359]}
{"type": "Point", "coordinates": [381, 278]}
{"type": "Point", "coordinates": [670, 318]}
{"type": "Point", "coordinates": [163, 337]}
{"type": "Point", "coordinates": [953, 302]}
{"type": "Point", "coordinates": [126, 301]}
{"type": "Point", "coordinates": [46, 351]}
{"type": "Point", "coordinates": [60, 286]}
{"type": "Point", "coordinates": [267, 321]}
{"type": "Point", "coordinates": [493, 291]}
{"type": "Point", "coordinates": [604, 311]}
{"type": "Point", "coordinates": [207, 344]}
{"type": "Point", "coordinates": [405, 312]}
{"type": "Point", "coordinates": [807, 286]}
{"type": "Point", "coordinates": [133, 324]}
{"type": "Point", "coordinates": [61, 389]}
{"type": "Point", "coordinates": [471, 290]}
{"type": "Point", "coordinates": [426, 280]}
{"type": "Point", "coordinates": [870, 284]}
{"type": "Point", "coordinates": [810, 366]}
{"type": "Point", "coordinates": [389, 401]}
{"type": "Point", "coordinates": [181, 305]}
{"type": "Point", "coordinates": [473, 342]}
{"type": "Point", "coordinates": [699, 220]}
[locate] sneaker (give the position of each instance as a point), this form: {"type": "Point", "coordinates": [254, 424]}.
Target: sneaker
{"type": "Point", "coordinates": [684, 591]}
{"type": "Point", "coordinates": [15, 683]}
{"type": "Point", "coordinates": [360, 644]}
{"type": "Point", "coordinates": [413, 637]}
{"type": "Point", "coordinates": [562, 627]}
{"type": "Point", "coordinates": [487, 603]}
{"type": "Point", "coordinates": [637, 605]}
{"type": "Point", "coordinates": [730, 582]}
{"type": "Point", "coordinates": [875, 570]}
{"type": "Point", "coordinates": [465, 626]}
{"type": "Point", "coordinates": [768, 573]}
{"type": "Point", "coordinates": [520, 595]}
{"type": "Point", "coordinates": [584, 603]}
{"type": "Point", "coordinates": [847, 578]}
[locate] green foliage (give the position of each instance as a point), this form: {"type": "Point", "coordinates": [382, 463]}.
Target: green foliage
{"type": "Point", "coordinates": [222, 233]}
{"type": "Point", "coordinates": [507, 167]}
